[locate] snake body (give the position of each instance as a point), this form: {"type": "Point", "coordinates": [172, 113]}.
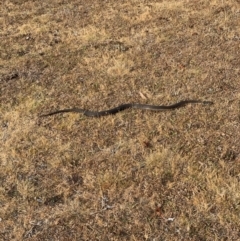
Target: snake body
{"type": "Point", "coordinates": [127, 106]}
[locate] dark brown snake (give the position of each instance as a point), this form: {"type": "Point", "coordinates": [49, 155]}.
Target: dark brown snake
{"type": "Point", "coordinates": [126, 106]}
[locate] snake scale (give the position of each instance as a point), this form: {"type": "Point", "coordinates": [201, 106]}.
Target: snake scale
{"type": "Point", "coordinates": [127, 106]}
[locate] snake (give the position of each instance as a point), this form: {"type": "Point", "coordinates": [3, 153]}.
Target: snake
{"type": "Point", "coordinates": [122, 107]}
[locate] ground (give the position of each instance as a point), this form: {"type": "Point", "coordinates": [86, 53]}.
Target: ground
{"type": "Point", "coordinates": [137, 175]}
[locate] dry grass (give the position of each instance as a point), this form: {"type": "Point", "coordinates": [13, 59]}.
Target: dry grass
{"type": "Point", "coordinates": [137, 175]}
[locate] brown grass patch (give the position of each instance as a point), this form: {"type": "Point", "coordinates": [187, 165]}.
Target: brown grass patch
{"type": "Point", "coordinates": [137, 175]}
